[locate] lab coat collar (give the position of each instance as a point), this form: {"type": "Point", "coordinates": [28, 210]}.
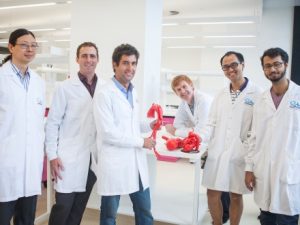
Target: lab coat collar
{"type": "Point", "coordinates": [269, 101]}
{"type": "Point", "coordinates": [114, 88]}
{"type": "Point", "coordinates": [75, 80]}
{"type": "Point", "coordinates": [8, 71]}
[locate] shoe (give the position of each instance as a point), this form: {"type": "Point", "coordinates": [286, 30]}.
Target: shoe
{"type": "Point", "coordinates": [224, 220]}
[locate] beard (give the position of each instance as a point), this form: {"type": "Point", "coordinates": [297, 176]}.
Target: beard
{"type": "Point", "coordinates": [276, 79]}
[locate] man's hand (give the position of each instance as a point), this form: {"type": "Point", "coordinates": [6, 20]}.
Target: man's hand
{"type": "Point", "coordinates": [170, 128]}
{"type": "Point", "coordinates": [250, 180]}
{"type": "Point", "coordinates": [56, 167]}
{"type": "Point", "coordinates": [149, 143]}
{"type": "Point", "coordinates": [153, 123]}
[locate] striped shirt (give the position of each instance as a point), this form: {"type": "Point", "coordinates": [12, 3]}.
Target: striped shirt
{"type": "Point", "coordinates": [23, 78]}
{"type": "Point", "coordinates": [235, 93]}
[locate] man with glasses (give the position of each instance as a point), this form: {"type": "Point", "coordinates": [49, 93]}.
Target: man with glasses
{"type": "Point", "coordinates": [226, 132]}
{"type": "Point", "coordinates": [22, 107]}
{"type": "Point", "coordinates": [273, 159]}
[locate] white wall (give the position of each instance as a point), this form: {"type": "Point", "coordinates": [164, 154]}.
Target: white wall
{"type": "Point", "coordinates": [275, 30]}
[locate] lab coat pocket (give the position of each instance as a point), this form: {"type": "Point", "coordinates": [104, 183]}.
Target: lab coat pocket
{"type": "Point", "coordinates": [291, 182]}
{"type": "Point", "coordinates": [290, 172]}
{"type": "Point", "coordinates": [238, 152]}
{"type": "Point", "coordinates": [10, 182]}
{"type": "Point", "coordinates": [8, 147]}
{"type": "Point", "coordinates": [67, 149]}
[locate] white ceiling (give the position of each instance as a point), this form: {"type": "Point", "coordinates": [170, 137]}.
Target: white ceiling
{"type": "Point", "coordinates": [58, 17]}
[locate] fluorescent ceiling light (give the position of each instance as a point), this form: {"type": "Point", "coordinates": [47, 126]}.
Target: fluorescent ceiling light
{"type": "Point", "coordinates": [220, 22]}
{"type": "Point", "coordinates": [42, 41]}
{"type": "Point", "coordinates": [42, 29]}
{"type": "Point", "coordinates": [67, 28]}
{"type": "Point", "coordinates": [28, 6]}
{"type": "Point", "coordinates": [178, 37]}
{"type": "Point", "coordinates": [170, 24]}
{"type": "Point", "coordinates": [234, 46]}
{"type": "Point", "coordinates": [183, 47]}
{"type": "Point", "coordinates": [3, 31]}
{"type": "Point", "coordinates": [229, 36]}
{"type": "Point", "coordinates": [4, 42]}
{"type": "Point", "coordinates": [62, 40]}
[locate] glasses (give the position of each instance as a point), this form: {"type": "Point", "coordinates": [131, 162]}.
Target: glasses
{"type": "Point", "coordinates": [276, 65]}
{"type": "Point", "coordinates": [33, 46]}
{"type": "Point", "coordinates": [233, 66]}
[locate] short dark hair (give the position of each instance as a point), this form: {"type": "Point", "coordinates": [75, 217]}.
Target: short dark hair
{"type": "Point", "coordinates": [14, 37]}
{"type": "Point", "coordinates": [274, 52]}
{"type": "Point", "coordinates": [86, 44]}
{"type": "Point", "coordinates": [237, 54]}
{"type": "Point", "coordinates": [124, 49]}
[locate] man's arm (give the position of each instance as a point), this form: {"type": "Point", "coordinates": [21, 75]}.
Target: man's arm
{"type": "Point", "coordinates": [54, 121]}
{"type": "Point", "coordinates": [179, 126]}
{"type": "Point", "coordinates": [250, 148]}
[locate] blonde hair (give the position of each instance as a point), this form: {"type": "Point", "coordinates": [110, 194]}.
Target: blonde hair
{"type": "Point", "coordinates": [176, 80]}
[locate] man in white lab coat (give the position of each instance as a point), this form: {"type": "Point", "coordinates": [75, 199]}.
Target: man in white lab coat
{"type": "Point", "coordinates": [192, 115]}
{"type": "Point", "coordinates": [22, 108]}
{"type": "Point", "coordinates": [122, 160]}
{"type": "Point", "coordinates": [71, 139]}
{"type": "Point", "coordinates": [226, 132]}
{"type": "Point", "coordinates": [273, 160]}
{"type": "Point", "coordinates": [193, 111]}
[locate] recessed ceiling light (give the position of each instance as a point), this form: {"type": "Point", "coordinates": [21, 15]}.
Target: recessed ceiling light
{"type": "Point", "coordinates": [188, 46]}
{"type": "Point", "coordinates": [220, 22]}
{"type": "Point", "coordinates": [28, 6]}
{"type": "Point", "coordinates": [62, 40]}
{"type": "Point", "coordinates": [173, 12]}
{"type": "Point", "coordinates": [170, 24]}
{"type": "Point", "coordinates": [234, 46]}
{"type": "Point", "coordinates": [178, 37]}
{"type": "Point", "coordinates": [229, 36]}
{"type": "Point", "coordinates": [42, 29]}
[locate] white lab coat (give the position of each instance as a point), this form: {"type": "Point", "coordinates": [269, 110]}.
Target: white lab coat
{"type": "Point", "coordinates": [21, 135]}
{"type": "Point", "coordinates": [226, 133]}
{"type": "Point", "coordinates": [71, 134]}
{"type": "Point", "coordinates": [185, 121]}
{"type": "Point", "coordinates": [274, 152]}
{"type": "Point", "coordinates": [121, 158]}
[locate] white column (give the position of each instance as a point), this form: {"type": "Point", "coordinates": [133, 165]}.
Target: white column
{"type": "Point", "coordinates": [111, 23]}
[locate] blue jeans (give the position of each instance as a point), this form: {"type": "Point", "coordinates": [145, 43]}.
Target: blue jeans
{"type": "Point", "coordinates": [141, 207]}
{"type": "Point", "coordinates": [268, 218]}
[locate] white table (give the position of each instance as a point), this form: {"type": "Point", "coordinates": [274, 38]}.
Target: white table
{"type": "Point", "coordinates": [162, 150]}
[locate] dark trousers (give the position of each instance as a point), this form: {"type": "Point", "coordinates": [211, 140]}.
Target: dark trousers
{"type": "Point", "coordinates": [268, 218]}
{"type": "Point", "coordinates": [22, 210]}
{"type": "Point", "coordinates": [225, 198]}
{"type": "Point", "coordinates": [69, 207]}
